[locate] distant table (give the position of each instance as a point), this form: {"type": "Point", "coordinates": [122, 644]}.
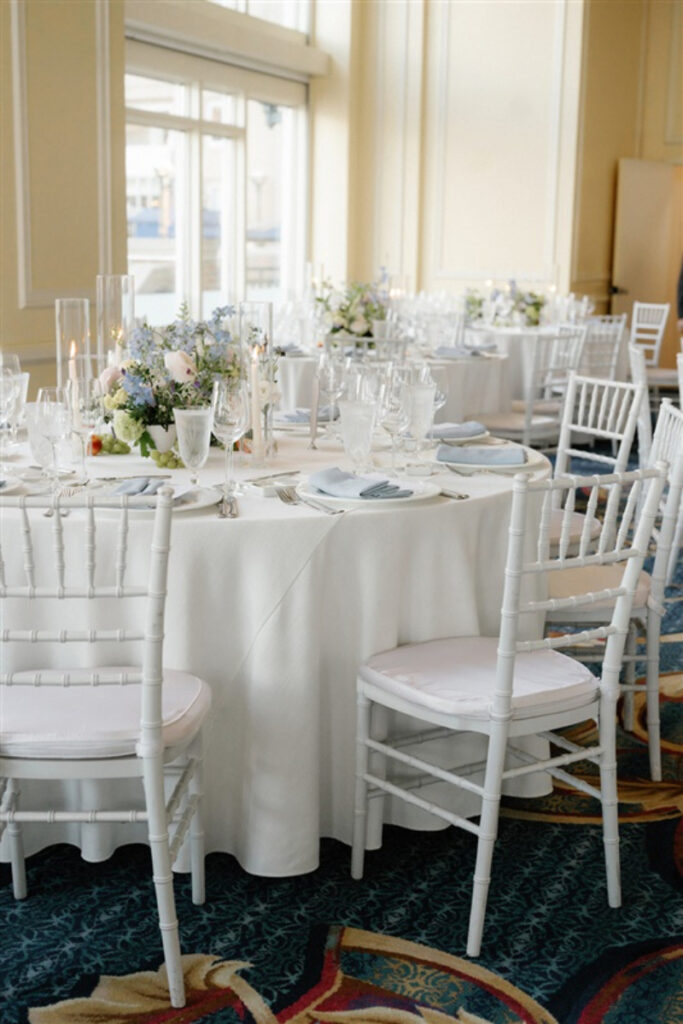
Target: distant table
{"type": "Point", "coordinates": [475, 384]}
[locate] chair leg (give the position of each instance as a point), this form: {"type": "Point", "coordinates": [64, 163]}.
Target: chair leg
{"type": "Point", "coordinates": [630, 675]}
{"type": "Point", "coordinates": [609, 799]}
{"type": "Point", "coordinates": [488, 830]}
{"type": "Point", "coordinates": [163, 876]}
{"type": "Point", "coordinates": [16, 847]}
{"type": "Point", "coordinates": [652, 683]}
{"type": "Point", "coordinates": [196, 825]}
{"type": "Point", "coordinates": [360, 813]}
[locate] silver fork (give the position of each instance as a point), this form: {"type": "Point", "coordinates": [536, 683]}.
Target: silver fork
{"type": "Point", "coordinates": [289, 496]}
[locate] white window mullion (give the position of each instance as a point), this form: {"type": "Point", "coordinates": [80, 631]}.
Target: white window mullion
{"type": "Point", "coordinates": [193, 253]}
{"type": "Point", "coordinates": [240, 273]}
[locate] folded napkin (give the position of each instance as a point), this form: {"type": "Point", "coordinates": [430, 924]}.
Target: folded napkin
{"type": "Point", "coordinates": [304, 415]}
{"type": "Point", "coordinates": [482, 454]}
{"type": "Point", "coordinates": [140, 485]}
{"type": "Point", "coordinates": [452, 352]}
{"type": "Point", "coordinates": [339, 484]}
{"type": "Point", "coordinates": [456, 431]}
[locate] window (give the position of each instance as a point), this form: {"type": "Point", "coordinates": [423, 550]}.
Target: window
{"type": "Point", "coordinates": [290, 13]}
{"type": "Point", "coordinates": [216, 175]}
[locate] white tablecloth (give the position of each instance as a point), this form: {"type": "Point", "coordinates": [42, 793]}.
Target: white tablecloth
{"type": "Point", "coordinates": [475, 384]}
{"type": "Point", "coordinates": [275, 610]}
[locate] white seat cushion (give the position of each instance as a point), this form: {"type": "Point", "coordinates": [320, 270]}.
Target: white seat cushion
{"type": "Point", "coordinates": [502, 422]}
{"type": "Point", "coordinates": [93, 722]}
{"type": "Point", "coordinates": [591, 578]}
{"type": "Point", "coordinates": [662, 376]}
{"type": "Point", "coordinates": [576, 524]}
{"type": "Point", "coordinates": [457, 677]}
{"type": "Point", "coordinates": [545, 406]}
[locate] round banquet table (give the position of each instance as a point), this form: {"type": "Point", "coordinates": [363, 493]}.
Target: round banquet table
{"type": "Point", "coordinates": [275, 610]}
{"type": "Point", "coordinates": [512, 342]}
{"type": "Point", "coordinates": [476, 384]}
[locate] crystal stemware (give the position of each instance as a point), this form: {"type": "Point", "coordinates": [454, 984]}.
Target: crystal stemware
{"type": "Point", "coordinates": [194, 437]}
{"type": "Point", "coordinates": [230, 403]}
{"type": "Point", "coordinates": [53, 424]}
{"type": "Point", "coordinates": [85, 401]}
{"type": "Point", "coordinates": [331, 381]}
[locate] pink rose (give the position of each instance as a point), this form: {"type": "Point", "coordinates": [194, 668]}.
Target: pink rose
{"type": "Point", "coordinates": [180, 366]}
{"type": "Point", "coordinates": [109, 376]}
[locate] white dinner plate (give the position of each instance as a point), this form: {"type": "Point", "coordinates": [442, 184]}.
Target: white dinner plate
{"type": "Point", "coordinates": [190, 501]}
{"type": "Point", "coordinates": [11, 484]}
{"type": "Point", "coordinates": [534, 461]}
{"type": "Point", "coordinates": [422, 491]}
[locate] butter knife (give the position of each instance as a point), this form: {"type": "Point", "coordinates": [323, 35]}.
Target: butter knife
{"type": "Point", "coordinates": [315, 402]}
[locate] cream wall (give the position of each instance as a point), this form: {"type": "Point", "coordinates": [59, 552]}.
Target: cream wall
{"type": "Point", "coordinates": [631, 106]}
{"type": "Point", "coordinates": [466, 126]}
{"type": "Point", "coordinates": [62, 212]}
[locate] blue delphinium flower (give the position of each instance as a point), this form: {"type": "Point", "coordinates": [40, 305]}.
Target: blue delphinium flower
{"type": "Point", "coordinates": [140, 394]}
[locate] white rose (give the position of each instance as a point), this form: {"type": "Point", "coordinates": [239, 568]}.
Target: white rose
{"type": "Point", "coordinates": [109, 376]}
{"type": "Point", "coordinates": [359, 325]}
{"type": "Point", "coordinates": [180, 366]}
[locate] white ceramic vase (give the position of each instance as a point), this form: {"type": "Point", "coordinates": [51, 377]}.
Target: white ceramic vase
{"type": "Point", "coordinates": [163, 437]}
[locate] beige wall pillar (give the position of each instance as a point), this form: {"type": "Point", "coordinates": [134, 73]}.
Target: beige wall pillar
{"type": "Point", "coordinates": [62, 165]}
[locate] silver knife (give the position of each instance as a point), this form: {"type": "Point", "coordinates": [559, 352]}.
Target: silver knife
{"type": "Point", "coordinates": [315, 402]}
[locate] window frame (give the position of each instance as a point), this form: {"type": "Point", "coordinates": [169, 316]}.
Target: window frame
{"type": "Point", "coordinates": [196, 74]}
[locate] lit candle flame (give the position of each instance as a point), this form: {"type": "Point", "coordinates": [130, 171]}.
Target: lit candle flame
{"type": "Point", "coordinates": [73, 350]}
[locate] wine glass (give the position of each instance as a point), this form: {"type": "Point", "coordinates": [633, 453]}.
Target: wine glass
{"type": "Point", "coordinates": [420, 401]}
{"type": "Point", "coordinates": [53, 424]}
{"type": "Point", "coordinates": [85, 400]}
{"type": "Point", "coordinates": [331, 384]}
{"type": "Point", "coordinates": [230, 404]}
{"type": "Point", "coordinates": [393, 412]}
{"type": "Point", "coordinates": [194, 437]}
{"type": "Point", "coordinates": [9, 394]}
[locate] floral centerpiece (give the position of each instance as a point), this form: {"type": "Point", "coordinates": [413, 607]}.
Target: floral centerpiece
{"type": "Point", "coordinates": [504, 307]}
{"type": "Point", "coordinates": [166, 368]}
{"type": "Point", "coordinates": [353, 309]}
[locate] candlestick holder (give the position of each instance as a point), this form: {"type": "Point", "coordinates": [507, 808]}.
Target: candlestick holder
{"type": "Point", "coordinates": [115, 317]}
{"type": "Point", "coordinates": [256, 341]}
{"type": "Point", "coordinates": [72, 329]}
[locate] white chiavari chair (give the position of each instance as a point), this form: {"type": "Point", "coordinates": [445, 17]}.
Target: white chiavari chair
{"type": "Point", "coordinates": [507, 688]}
{"type": "Point", "coordinates": [90, 714]}
{"type": "Point", "coordinates": [603, 345]}
{"type": "Point", "coordinates": [594, 410]}
{"type": "Point", "coordinates": [638, 366]}
{"type": "Point", "coordinates": [648, 323]}
{"type": "Point", "coordinates": [648, 606]}
{"type": "Point", "coordinates": [535, 419]}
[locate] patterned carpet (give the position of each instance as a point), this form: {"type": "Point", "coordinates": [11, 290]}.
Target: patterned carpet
{"type": "Point", "coordinates": [84, 947]}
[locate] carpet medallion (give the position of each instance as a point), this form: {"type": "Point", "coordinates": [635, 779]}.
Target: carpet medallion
{"type": "Point", "coordinates": [350, 976]}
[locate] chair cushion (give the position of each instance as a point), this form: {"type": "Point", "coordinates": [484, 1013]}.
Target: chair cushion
{"type": "Point", "coordinates": [511, 421]}
{"type": "Point", "coordinates": [94, 722]}
{"type": "Point", "coordinates": [584, 579]}
{"type": "Point", "coordinates": [662, 376]}
{"type": "Point", "coordinates": [457, 677]}
{"type": "Point", "coordinates": [576, 524]}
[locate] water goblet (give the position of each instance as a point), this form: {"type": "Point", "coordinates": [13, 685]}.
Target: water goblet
{"type": "Point", "coordinates": [53, 424]}
{"type": "Point", "coordinates": [230, 404]}
{"type": "Point", "coordinates": [420, 399]}
{"type": "Point", "coordinates": [357, 424]}
{"type": "Point", "coordinates": [194, 437]}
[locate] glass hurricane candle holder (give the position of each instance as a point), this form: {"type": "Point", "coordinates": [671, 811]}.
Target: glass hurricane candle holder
{"type": "Point", "coordinates": [115, 317]}
{"type": "Point", "coordinates": [72, 326]}
{"type": "Point", "coordinates": [256, 340]}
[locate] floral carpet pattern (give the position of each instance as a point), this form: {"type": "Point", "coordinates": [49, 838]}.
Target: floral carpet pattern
{"type": "Point", "coordinates": [84, 947]}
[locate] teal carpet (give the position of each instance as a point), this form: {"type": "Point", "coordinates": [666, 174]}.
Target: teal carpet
{"type": "Point", "coordinates": [549, 930]}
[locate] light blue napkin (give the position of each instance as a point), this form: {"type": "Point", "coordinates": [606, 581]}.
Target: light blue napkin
{"type": "Point", "coordinates": [452, 352]}
{"type": "Point", "coordinates": [140, 485]}
{"type": "Point", "coordinates": [482, 454]}
{"type": "Point", "coordinates": [340, 484]}
{"type": "Point", "coordinates": [456, 431]}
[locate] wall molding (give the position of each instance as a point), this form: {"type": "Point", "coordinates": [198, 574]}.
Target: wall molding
{"type": "Point", "coordinates": [550, 228]}
{"type": "Point", "coordinates": [673, 133]}
{"type": "Point", "coordinates": [28, 296]}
